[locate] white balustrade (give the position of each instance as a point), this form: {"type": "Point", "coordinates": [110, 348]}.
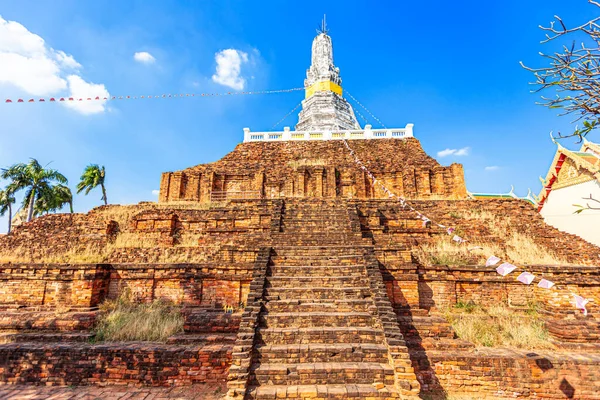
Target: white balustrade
{"type": "Point", "coordinates": [366, 133]}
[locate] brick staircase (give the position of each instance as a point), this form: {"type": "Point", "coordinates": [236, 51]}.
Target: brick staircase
{"type": "Point", "coordinates": [325, 328]}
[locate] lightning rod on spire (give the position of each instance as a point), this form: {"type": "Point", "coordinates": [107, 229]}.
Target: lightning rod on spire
{"type": "Point", "coordinates": [323, 28]}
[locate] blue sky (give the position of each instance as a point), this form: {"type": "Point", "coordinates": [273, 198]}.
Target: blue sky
{"type": "Point", "coordinates": [451, 68]}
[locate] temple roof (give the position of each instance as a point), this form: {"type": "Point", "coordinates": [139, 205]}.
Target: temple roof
{"type": "Point", "coordinates": [570, 168]}
{"type": "Point", "coordinates": [509, 195]}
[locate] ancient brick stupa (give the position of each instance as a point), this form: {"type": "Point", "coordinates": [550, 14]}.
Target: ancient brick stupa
{"type": "Point", "coordinates": [298, 276]}
{"type": "Point", "coordinates": [311, 162]}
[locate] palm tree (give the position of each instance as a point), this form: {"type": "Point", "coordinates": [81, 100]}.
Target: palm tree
{"type": "Point", "coordinates": [34, 178]}
{"type": "Point", "coordinates": [93, 176]}
{"type": "Point", "coordinates": [7, 199]}
{"type": "Point", "coordinates": [62, 196]}
{"type": "Point", "coordinates": [52, 199]}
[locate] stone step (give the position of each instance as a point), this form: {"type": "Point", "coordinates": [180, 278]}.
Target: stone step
{"type": "Point", "coordinates": [312, 319]}
{"type": "Point", "coordinates": [322, 251]}
{"type": "Point", "coordinates": [301, 261]}
{"type": "Point", "coordinates": [340, 219]}
{"type": "Point", "coordinates": [202, 339]}
{"type": "Point", "coordinates": [304, 225]}
{"type": "Point", "coordinates": [337, 238]}
{"type": "Point", "coordinates": [351, 391]}
{"type": "Point", "coordinates": [318, 293]}
{"type": "Point", "coordinates": [315, 239]}
{"type": "Point", "coordinates": [327, 335]}
{"type": "Point", "coordinates": [46, 337]}
{"type": "Point", "coordinates": [317, 270]}
{"type": "Point", "coordinates": [315, 352]}
{"type": "Point", "coordinates": [319, 305]}
{"type": "Point", "coordinates": [322, 373]}
{"type": "Point", "coordinates": [316, 281]}
{"type": "Point", "coordinates": [321, 255]}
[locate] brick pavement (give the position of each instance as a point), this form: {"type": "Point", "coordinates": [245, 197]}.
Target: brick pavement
{"type": "Point", "coordinates": [194, 392]}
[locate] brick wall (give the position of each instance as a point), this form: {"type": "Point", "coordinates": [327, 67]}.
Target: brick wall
{"type": "Point", "coordinates": [87, 285]}
{"type": "Point", "coordinates": [501, 373]}
{"type": "Point", "coordinates": [443, 286]}
{"type": "Point", "coordinates": [131, 364]}
{"type": "Point", "coordinates": [317, 169]}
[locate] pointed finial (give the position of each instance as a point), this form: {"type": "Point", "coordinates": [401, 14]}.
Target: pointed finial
{"type": "Point", "coordinates": [323, 28]}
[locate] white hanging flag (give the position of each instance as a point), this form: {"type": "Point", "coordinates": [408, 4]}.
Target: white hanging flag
{"type": "Point", "coordinates": [505, 269]}
{"type": "Point", "coordinates": [425, 222]}
{"type": "Point", "coordinates": [493, 260]}
{"type": "Point", "coordinates": [526, 278]}
{"type": "Point", "coordinates": [458, 239]}
{"type": "Point", "coordinates": [580, 303]}
{"type": "Point", "coordinates": [450, 230]}
{"type": "Point", "coordinates": [545, 284]}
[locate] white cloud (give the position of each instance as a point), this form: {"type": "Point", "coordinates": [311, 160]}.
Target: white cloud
{"type": "Point", "coordinates": [67, 60]}
{"type": "Point", "coordinates": [492, 168]}
{"type": "Point", "coordinates": [454, 152]}
{"type": "Point", "coordinates": [144, 57]}
{"type": "Point", "coordinates": [155, 192]}
{"type": "Point", "coordinates": [83, 90]}
{"type": "Point", "coordinates": [229, 68]}
{"type": "Point", "coordinates": [29, 64]}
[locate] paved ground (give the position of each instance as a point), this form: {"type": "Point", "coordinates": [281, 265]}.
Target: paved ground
{"type": "Point", "coordinates": [196, 392]}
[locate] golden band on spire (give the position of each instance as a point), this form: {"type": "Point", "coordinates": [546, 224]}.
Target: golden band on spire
{"type": "Point", "coordinates": [323, 86]}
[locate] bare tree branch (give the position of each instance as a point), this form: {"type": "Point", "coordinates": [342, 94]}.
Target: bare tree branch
{"type": "Point", "coordinates": [587, 206]}
{"type": "Point", "coordinates": [573, 75]}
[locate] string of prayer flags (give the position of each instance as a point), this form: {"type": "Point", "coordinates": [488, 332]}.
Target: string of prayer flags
{"type": "Point", "coordinates": [492, 260]}
{"type": "Point", "coordinates": [545, 284]}
{"type": "Point", "coordinates": [505, 269]}
{"type": "Point", "coordinates": [162, 96]}
{"type": "Point", "coordinates": [526, 278]}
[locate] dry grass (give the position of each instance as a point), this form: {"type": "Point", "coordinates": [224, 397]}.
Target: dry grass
{"type": "Point", "coordinates": [127, 320]}
{"type": "Point", "coordinates": [82, 255]}
{"type": "Point", "coordinates": [443, 251]}
{"type": "Point", "coordinates": [499, 326]}
{"type": "Point", "coordinates": [522, 249]}
{"type": "Point", "coordinates": [16, 255]}
{"type": "Point", "coordinates": [519, 247]}
{"type": "Point", "coordinates": [133, 240]}
{"type": "Point", "coordinates": [121, 214]}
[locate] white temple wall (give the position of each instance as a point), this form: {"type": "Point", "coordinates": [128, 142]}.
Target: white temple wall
{"type": "Point", "coordinates": [558, 211]}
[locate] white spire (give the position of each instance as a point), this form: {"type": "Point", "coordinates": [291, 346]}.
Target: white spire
{"type": "Point", "coordinates": [324, 108]}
